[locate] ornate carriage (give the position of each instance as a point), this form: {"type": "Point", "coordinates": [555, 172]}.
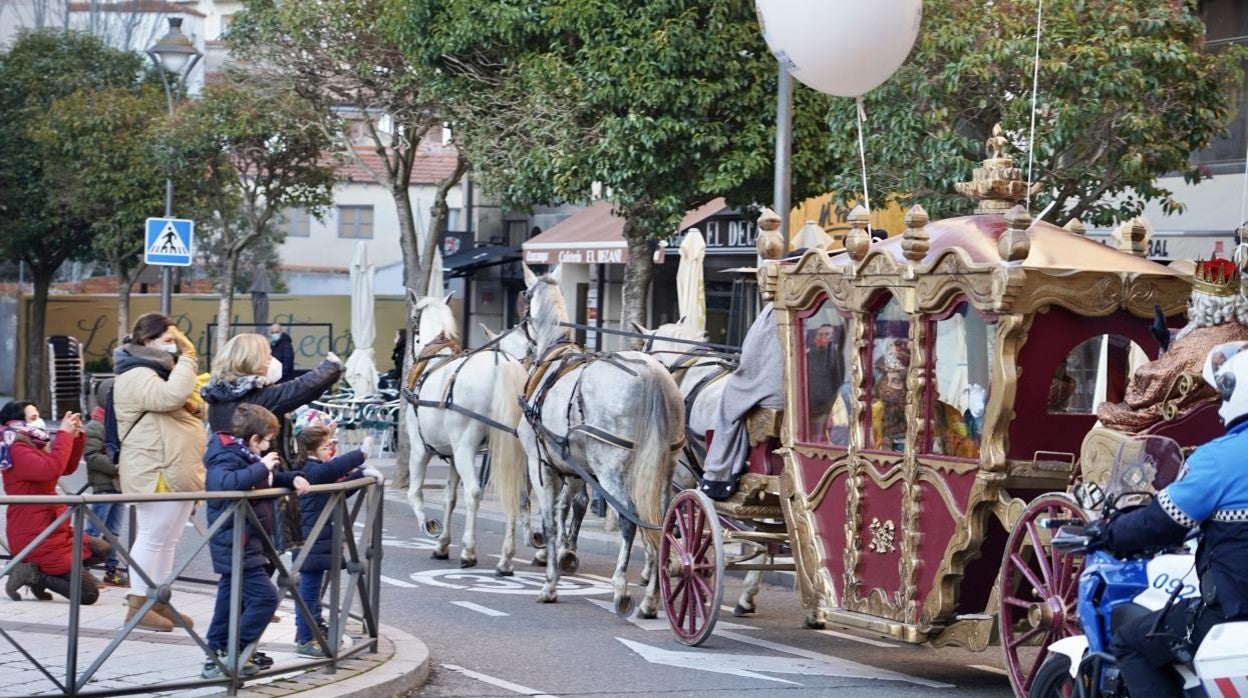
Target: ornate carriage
{"type": "Point", "coordinates": [972, 353]}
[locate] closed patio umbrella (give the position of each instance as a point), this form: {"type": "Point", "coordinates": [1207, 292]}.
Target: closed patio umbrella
{"type": "Point", "coordinates": [690, 290]}
{"type": "Point", "coordinates": [361, 365]}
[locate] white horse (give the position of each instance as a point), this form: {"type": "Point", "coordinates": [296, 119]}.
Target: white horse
{"type": "Point", "coordinates": [620, 417]}
{"type": "Point", "coordinates": [486, 383]}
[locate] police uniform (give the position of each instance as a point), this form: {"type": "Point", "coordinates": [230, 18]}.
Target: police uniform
{"type": "Point", "coordinates": [1212, 493]}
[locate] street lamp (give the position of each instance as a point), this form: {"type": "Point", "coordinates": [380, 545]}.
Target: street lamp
{"type": "Point", "coordinates": [173, 53]}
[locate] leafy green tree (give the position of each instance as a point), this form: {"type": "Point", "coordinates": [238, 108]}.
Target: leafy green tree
{"type": "Point", "coordinates": [333, 54]}
{"type": "Point", "coordinates": [259, 152]}
{"type": "Point", "coordinates": [103, 172]}
{"type": "Point", "coordinates": [667, 103]}
{"type": "Point", "coordinates": [1126, 94]}
{"type": "Point", "coordinates": [37, 70]}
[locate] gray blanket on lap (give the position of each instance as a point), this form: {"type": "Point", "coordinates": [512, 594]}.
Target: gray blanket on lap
{"type": "Point", "coordinates": [758, 381]}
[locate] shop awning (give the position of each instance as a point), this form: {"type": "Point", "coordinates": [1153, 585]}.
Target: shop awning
{"type": "Point", "coordinates": [467, 261]}
{"type": "Point", "coordinates": [595, 235]}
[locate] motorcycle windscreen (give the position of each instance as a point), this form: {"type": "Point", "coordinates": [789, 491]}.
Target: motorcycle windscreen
{"type": "Point", "coordinates": [1143, 467]}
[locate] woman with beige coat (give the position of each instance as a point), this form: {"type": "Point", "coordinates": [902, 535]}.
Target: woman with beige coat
{"type": "Point", "coordinates": [160, 421]}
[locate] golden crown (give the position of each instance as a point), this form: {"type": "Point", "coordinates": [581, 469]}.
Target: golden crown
{"type": "Point", "coordinates": [1216, 277]}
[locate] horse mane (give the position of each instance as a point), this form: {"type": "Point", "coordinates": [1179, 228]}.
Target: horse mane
{"type": "Point", "coordinates": [675, 330]}
{"type": "Point", "coordinates": [435, 318]}
{"type": "Point", "coordinates": [554, 310]}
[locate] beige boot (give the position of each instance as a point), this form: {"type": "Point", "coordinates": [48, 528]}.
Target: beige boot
{"type": "Point", "coordinates": [166, 612]}
{"type": "Point", "coordinates": [151, 620]}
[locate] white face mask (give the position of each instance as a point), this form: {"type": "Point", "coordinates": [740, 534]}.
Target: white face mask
{"type": "Point", "coordinates": [274, 373]}
{"type": "Point", "coordinates": [38, 424]}
{"type": "Point", "coordinates": [170, 348]}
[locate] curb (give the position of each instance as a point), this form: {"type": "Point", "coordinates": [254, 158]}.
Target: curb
{"type": "Point", "coordinates": [405, 671]}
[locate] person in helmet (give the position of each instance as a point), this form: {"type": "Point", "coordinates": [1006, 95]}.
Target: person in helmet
{"type": "Point", "coordinates": [1210, 493]}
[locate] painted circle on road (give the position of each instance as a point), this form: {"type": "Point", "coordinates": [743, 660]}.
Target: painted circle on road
{"type": "Point", "coordinates": [524, 583]}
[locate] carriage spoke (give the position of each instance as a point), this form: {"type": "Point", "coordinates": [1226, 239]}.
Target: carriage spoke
{"type": "Point", "coordinates": [1026, 572]}
{"type": "Point", "coordinates": [682, 524]}
{"type": "Point", "coordinates": [1039, 554]}
{"type": "Point", "coordinates": [703, 545]}
{"type": "Point", "coordinates": [1024, 638]}
{"type": "Point", "coordinates": [1015, 601]}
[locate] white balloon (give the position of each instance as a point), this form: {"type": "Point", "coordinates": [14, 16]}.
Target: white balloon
{"type": "Point", "coordinates": [841, 47]}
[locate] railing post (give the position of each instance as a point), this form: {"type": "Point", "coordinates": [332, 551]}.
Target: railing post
{"type": "Point", "coordinates": [75, 600]}
{"type": "Point", "coordinates": [236, 592]}
{"type": "Point", "coordinates": [375, 512]}
{"type": "Point", "coordinates": [335, 581]}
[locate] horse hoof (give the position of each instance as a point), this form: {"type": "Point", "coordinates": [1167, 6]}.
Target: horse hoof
{"type": "Point", "coordinates": [568, 562]}
{"type": "Point", "coordinates": [504, 573]}
{"type": "Point", "coordinates": [539, 558]}
{"type": "Point", "coordinates": [537, 540]}
{"type": "Point", "coordinates": [623, 605]}
{"type": "Point", "coordinates": [649, 615]}
{"type": "Point", "coordinates": [433, 527]}
{"type": "Point", "coordinates": [547, 598]}
{"type": "Point", "coordinates": [645, 581]}
{"type": "Point", "coordinates": [466, 563]}
{"type": "Point", "coordinates": [440, 556]}
{"type": "Point", "coordinates": [741, 611]}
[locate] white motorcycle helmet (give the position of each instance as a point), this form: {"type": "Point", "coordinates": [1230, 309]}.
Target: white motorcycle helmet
{"type": "Point", "coordinates": [1226, 369]}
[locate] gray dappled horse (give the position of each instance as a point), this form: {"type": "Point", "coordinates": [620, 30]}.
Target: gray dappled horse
{"type": "Point", "coordinates": [702, 380]}
{"type": "Point", "coordinates": [486, 383]}
{"type": "Point", "coordinates": [623, 420]}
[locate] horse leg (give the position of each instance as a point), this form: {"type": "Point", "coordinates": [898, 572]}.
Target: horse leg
{"type": "Point", "coordinates": [612, 481]}
{"type": "Point", "coordinates": [578, 503]}
{"type": "Point", "coordinates": [546, 501]}
{"type": "Point", "coordinates": [442, 551]}
{"type": "Point", "coordinates": [745, 603]}
{"type": "Point", "coordinates": [466, 459]}
{"type": "Point", "coordinates": [417, 464]}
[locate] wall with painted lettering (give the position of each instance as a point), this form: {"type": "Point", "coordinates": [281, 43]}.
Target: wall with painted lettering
{"type": "Point", "coordinates": [834, 219]}
{"type": "Point", "coordinates": [93, 320]}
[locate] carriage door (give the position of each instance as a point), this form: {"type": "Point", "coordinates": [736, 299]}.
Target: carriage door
{"type": "Point", "coordinates": [877, 525]}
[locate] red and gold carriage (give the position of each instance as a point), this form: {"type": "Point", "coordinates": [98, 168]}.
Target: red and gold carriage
{"type": "Point", "coordinates": [974, 351]}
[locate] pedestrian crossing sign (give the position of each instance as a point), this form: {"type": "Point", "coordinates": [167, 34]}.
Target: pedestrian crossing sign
{"type": "Point", "coordinates": [169, 242]}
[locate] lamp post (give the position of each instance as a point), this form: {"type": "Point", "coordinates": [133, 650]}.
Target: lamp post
{"type": "Point", "coordinates": [173, 53]}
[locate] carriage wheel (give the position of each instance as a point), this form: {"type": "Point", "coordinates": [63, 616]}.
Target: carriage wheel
{"type": "Point", "coordinates": [692, 578]}
{"type": "Point", "coordinates": [1038, 589]}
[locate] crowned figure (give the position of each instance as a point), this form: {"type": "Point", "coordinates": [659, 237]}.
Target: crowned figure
{"type": "Point", "coordinates": [1217, 313]}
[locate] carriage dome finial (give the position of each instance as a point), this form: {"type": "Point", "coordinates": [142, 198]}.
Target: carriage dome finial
{"type": "Point", "coordinates": [915, 241]}
{"type": "Point", "coordinates": [858, 239]}
{"type": "Point", "coordinates": [997, 184]}
{"type": "Point", "coordinates": [770, 241]}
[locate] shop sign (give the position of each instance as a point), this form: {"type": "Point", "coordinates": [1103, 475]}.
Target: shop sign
{"type": "Point", "coordinates": [722, 236]}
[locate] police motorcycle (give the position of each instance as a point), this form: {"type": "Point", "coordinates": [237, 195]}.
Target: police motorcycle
{"type": "Point", "coordinates": [1114, 590]}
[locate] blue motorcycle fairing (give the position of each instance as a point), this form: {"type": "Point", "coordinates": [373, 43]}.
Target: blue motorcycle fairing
{"type": "Point", "coordinates": [1105, 583]}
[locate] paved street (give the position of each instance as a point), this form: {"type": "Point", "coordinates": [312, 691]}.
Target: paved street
{"type": "Point", "coordinates": [488, 636]}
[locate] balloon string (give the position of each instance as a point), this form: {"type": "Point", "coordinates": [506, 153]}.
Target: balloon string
{"type": "Point", "coordinates": [1035, 84]}
{"type": "Point", "coordinates": [862, 155]}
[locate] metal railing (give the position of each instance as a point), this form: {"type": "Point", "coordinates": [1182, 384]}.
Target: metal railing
{"type": "Point", "coordinates": [360, 558]}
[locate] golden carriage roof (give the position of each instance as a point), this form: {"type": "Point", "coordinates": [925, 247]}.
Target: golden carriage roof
{"type": "Point", "coordinates": [1053, 249]}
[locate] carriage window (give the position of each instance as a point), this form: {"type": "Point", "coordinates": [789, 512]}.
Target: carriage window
{"type": "Point", "coordinates": [890, 360]}
{"type": "Point", "coordinates": [959, 391]}
{"type": "Point", "coordinates": [827, 387]}
{"type": "Point", "coordinates": [1096, 371]}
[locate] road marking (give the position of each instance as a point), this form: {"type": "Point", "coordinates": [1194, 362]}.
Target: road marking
{"type": "Point", "coordinates": [397, 582]}
{"type": "Point", "coordinates": [598, 577]}
{"type": "Point", "coordinates": [524, 583]}
{"type": "Point", "coordinates": [661, 623]}
{"type": "Point", "coordinates": [478, 608]}
{"type": "Point", "coordinates": [496, 682]}
{"type": "Point", "coordinates": [855, 638]}
{"type": "Point", "coordinates": [757, 666]}
{"type": "Point", "coordinates": [866, 672]}
{"type": "Point", "coordinates": [990, 669]}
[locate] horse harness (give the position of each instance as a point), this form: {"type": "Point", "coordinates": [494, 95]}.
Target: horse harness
{"type": "Point", "coordinates": [679, 369]}
{"type": "Point", "coordinates": [431, 359]}
{"type": "Point", "coordinates": [556, 362]}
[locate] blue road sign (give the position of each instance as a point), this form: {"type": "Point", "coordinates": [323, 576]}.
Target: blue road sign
{"type": "Point", "coordinates": [170, 241]}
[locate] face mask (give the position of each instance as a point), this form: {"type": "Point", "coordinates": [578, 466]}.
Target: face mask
{"type": "Point", "coordinates": [274, 337]}
{"type": "Point", "coordinates": [274, 373]}
{"type": "Point", "coordinates": [170, 348]}
{"type": "Point", "coordinates": [38, 424]}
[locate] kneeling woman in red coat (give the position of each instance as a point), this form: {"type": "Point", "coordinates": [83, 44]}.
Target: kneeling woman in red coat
{"type": "Point", "coordinates": [31, 463]}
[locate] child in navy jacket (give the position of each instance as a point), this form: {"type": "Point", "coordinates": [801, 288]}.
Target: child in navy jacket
{"type": "Point", "coordinates": [316, 463]}
{"type": "Point", "coordinates": [233, 462]}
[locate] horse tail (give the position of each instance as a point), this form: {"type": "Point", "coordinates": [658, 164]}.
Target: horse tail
{"type": "Point", "coordinates": [507, 457]}
{"type": "Point", "coordinates": [661, 426]}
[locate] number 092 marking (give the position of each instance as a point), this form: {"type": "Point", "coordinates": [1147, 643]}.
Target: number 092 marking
{"type": "Point", "coordinates": [1168, 584]}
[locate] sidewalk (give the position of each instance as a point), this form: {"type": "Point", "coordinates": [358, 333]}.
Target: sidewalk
{"type": "Point", "coordinates": [145, 658]}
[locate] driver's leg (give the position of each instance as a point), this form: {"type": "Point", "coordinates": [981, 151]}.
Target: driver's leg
{"type": "Point", "coordinates": [1144, 661]}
